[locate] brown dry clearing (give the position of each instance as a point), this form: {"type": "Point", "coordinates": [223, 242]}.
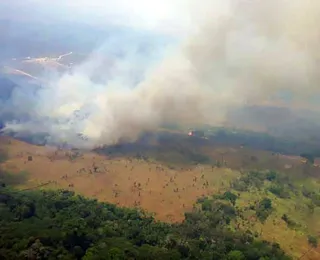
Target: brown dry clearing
{"type": "Point", "coordinates": [126, 182]}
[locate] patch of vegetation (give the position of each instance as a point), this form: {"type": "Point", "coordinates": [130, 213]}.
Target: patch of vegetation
{"type": "Point", "coordinates": [291, 224]}
{"type": "Point", "coordinates": [309, 157]}
{"type": "Point", "coordinates": [313, 241]}
{"type": "Point", "coordinates": [7, 178]}
{"type": "Point", "coordinates": [11, 179]}
{"type": "Point", "coordinates": [279, 190]}
{"type": "Point", "coordinates": [229, 196]}
{"type": "Point", "coordinates": [236, 255]}
{"type": "Point", "coordinates": [277, 184]}
{"type": "Point", "coordinates": [264, 209]}
{"type": "Point", "coordinates": [312, 195]}
{"type": "Point", "coordinates": [223, 212]}
{"type": "Point", "coordinates": [3, 156]}
{"type": "Point", "coordinates": [62, 225]}
{"type": "Point", "coordinates": [251, 179]}
{"type": "Point", "coordinates": [74, 154]}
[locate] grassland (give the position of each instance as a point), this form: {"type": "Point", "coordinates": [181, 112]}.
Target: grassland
{"type": "Point", "coordinates": [302, 214]}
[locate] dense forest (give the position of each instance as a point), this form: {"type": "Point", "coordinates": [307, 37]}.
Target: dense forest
{"type": "Point", "coordinates": [63, 225]}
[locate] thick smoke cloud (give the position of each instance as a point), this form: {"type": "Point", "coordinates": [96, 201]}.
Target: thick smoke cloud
{"type": "Point", "coordinates": [237, 53]}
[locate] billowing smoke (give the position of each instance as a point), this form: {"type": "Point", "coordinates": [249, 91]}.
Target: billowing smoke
{"type": "Point", "coordinates": [236, 53]}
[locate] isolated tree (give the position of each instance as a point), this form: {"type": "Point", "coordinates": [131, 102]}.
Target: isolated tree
{"type": "Point", "coordinates": [266, 203]}
{"type": "Point", "coordinates": [230, 196]}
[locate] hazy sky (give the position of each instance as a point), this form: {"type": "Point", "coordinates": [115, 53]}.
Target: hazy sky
{"type": "Point", "coordinates": [169, 16]}
{"type": "Point", "coordinates": [138, 13]}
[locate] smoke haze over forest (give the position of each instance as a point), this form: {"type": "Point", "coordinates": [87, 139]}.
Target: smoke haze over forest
{"type": "Point", "coordinates": [164, 62]}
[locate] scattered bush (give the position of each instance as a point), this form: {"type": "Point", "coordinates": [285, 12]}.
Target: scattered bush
{"type": "Point", "coordinates": [313, 241]}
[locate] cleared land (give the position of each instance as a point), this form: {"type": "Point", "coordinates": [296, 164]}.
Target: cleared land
{"type": "Point", "coordinates": [127, 182]}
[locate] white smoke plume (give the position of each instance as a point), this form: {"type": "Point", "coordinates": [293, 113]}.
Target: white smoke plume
{"type": "Point", "coordinates": [235, 52]}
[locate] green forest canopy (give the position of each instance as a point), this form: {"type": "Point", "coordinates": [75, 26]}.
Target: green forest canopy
{"type": "Point", "coordinates": [62, 225]}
